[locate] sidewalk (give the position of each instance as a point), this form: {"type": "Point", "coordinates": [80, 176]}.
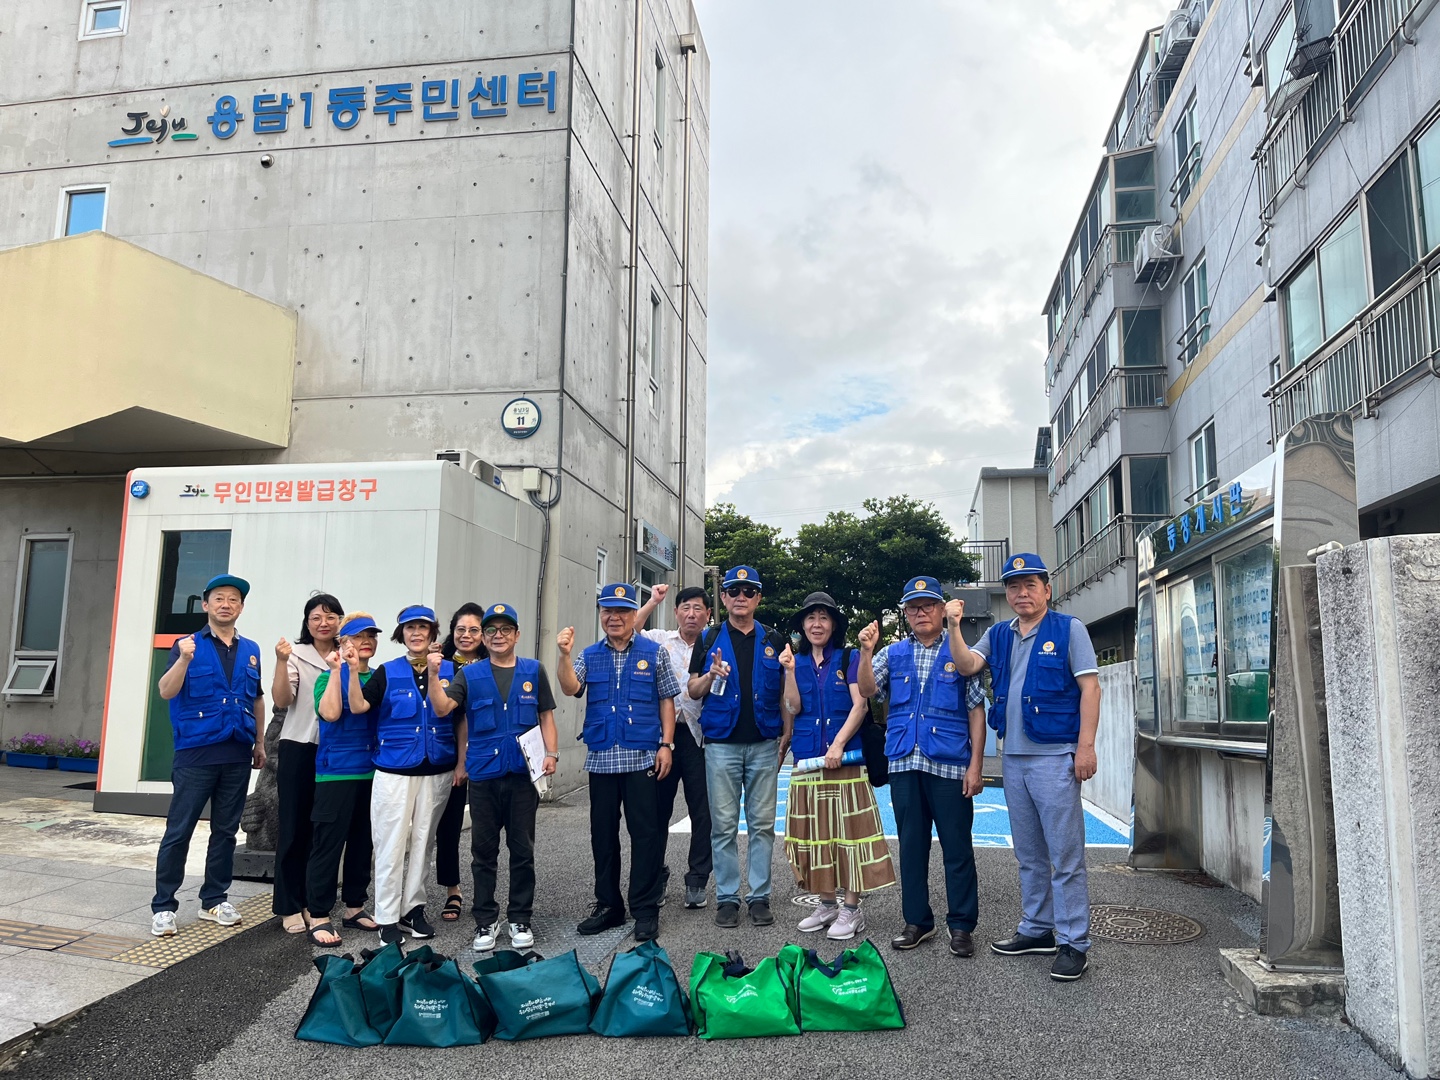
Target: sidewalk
{"type": "Point", "coordinates": [75, 890]}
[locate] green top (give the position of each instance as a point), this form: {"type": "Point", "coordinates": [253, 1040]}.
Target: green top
{"type": "Point", "coordinates": [320, 684]}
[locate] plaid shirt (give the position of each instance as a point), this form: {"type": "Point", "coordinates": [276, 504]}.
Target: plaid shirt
{"type": "Point", "coordinates": [622, 759]}
{"type": "Point", "coordinates": [924, 656]}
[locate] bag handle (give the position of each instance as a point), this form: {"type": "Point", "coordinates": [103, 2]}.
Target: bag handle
{"type": "Point", "coordinates": [735, 966]}
{"type": "Point", "coordinates": [830, 971]}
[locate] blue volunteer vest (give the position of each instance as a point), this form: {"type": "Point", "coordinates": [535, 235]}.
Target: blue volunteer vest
{"type": "Point", "coordinates": [1050, 698]}
{"type": "Point", "coordinates": [346, 746]}
{"type": "Point", "coordinates": [933, 719]}
{"type": "Point", "coordinates": [209, 709]}
{"type": "Point", "coordinates": [493, 723]}
{"type": "Point", "coordinates": [721, 712]}
{"type": "Point", "coordinates": [823, 709]}
{"type": "Point", "coordinates": [622, 709]}
{"type": "Point", "coordinates": [407, 731]}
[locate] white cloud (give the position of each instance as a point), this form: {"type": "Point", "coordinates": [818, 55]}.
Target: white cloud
{"type": "Point", "coordinates": [892, 191]}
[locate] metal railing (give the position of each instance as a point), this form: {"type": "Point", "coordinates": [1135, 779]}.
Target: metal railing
{"type": "Point", "coordinates": [1193, 338]}
{"type": "Point", "coordinates": [992, 554]}
{"type": "Point", "coordinates": [1362, 366]}
{"type": "Point", "coordinates": [1122, 388]}
{"type": "Point", "coordinates": [1117, 245]}
{"type": "Point", "coordinates": [1363, 39]}
{"type": "Point", "coordinates": [1103, 552]}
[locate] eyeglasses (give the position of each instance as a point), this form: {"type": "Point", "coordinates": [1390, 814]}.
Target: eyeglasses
{"type": "Point", "coordinates": [747, 591]}
{"type": "Point", "coordinates": [468, 631]}
{"type": "Point", "coordinates": [500, 631]}
{"type": "Point", "coordinates": [924, 605]}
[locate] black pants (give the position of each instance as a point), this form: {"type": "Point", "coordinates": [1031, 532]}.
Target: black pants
{"type": "Point", "coordinates": [295, 790]}
{"type": "Point", "coordinates": [634, 792]}
{"type": "Point", "coordinates": [688, 766]}
{"type": "Point", "coordinates": [922, 800]}
{"type": "Point", "coordinates": [509, 803]}
{"type": "Point", "coordinates": [447, 839]}
{"type": "Point", "coordinates": [341, 821]}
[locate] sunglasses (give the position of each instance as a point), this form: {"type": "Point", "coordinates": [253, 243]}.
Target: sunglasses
{"type": "Point", "coordinates": [747, 591]}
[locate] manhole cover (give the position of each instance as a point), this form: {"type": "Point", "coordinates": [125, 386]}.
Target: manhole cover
{"type": "Point", "coordinates": [1142, 926]}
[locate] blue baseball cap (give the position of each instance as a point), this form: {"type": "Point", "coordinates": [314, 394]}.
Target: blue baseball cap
{"type": "Point", "coordinates": [1023, 564]}
{"type": "Point", "coordinates": [742, 575]}
{"type": "Point", "coordinates": [226, 579]}
{"type": "Point", "coordinates": [358, 625]}
{"type": "Point", "coordinates": [500, 611]}
{"type": "Point", "coordinates": [620, 595]}
{"type": "Point", "coordinates": [417, 613]}
{"type": "Point", "coordinates": [922, 588]}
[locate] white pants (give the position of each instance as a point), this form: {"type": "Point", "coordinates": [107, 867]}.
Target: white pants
{"type": "Point", "coordinates": [404, 812]}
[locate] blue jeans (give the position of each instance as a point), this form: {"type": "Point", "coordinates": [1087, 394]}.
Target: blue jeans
{"type": "Point", "coordinates": [922, 800]}
{"type": "Point", "coordinates": [1048, 825]}
{"type": "Point", "coordinates": [224, 787]}
{"type": "Point", "coordinates": [730, 769]}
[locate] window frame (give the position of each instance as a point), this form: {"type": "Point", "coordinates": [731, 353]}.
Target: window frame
{"type": "Point", "coordinates": [657, 326]}
{"type": "Point", "coordinates": [62, 212]}
{"type": "Point", "coordinates": [1187, 164]}
{"type": "Point", "coordinates": [57, 655]}
{"type": "Point", "coordinates": [1212, 483]}
{"type": "Point", "coordinates": [1422, 226]}
{"type": "Point", "coordinates": [1191, 342]}
{"type": "Point", "coordinates": [1289, 13]}
{"type": "Point", "coordinates": [88, 8]}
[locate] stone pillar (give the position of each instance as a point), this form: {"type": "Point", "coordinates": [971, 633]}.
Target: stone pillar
{"type": "Point", "coordinates": [1380, 619]}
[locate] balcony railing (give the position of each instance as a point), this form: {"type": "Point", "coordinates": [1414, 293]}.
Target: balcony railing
{"type": "Point", "coordinates": [1366, 362]}
{"type": "Point", "coordinates": [1116, 246]}
{"type": "Point", "coordinates": [992, 555]}
{"type": "Point", "coordinates": [1364, 39]}
{"type": "Point", "coordinates": [1102, 553]}
{"type": "Point", "coordinates": [1122, 388]}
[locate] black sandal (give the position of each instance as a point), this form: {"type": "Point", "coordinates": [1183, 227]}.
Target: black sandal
{"type": "Point", "coordinates": [352, 922]}
{"type": "Point", "coordinates": [326, 928]}
{"type": "Point", "coordinates": [454, 905]}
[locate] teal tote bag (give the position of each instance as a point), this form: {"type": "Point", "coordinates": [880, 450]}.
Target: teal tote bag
{"type": "Point", "coordinates": [642, 996]}
{"type": "Point", "coordinates": [542, 998]}
{"type": "Point", "coordinates": [439, 1006]}
{"type": "Point", "coordinates": [336, 1013]}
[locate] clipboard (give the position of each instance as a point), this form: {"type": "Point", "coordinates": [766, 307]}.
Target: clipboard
{"type": "Point", "coordinates": [532, 745]}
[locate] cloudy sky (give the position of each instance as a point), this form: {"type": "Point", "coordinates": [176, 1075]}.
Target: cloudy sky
{"type": "Point", "coordinates": [892, 188]}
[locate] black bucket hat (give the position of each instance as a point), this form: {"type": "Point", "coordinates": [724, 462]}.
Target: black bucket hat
{"type": "Point", "coordinates": [827, 602]}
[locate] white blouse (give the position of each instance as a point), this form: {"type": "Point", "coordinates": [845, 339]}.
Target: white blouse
{"type": "Point", "coordinates": [301, 724]}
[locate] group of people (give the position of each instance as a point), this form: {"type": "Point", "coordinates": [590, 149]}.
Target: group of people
{"type": "Point", "coordinates": [379, 762]}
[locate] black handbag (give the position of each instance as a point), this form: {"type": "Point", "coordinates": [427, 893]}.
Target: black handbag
{"type": "Point", "coordinates": [872, 744]}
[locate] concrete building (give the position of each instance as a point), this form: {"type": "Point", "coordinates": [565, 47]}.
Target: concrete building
{"type": "Point", "coordinates": [332, 231]}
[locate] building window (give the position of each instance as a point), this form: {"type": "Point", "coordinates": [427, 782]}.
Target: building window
{"type": "Point", "coordinates": [1150, 486]}
{"type": "Point", "coordinates": [1329, 290]}
{"type": "Point", "coordinates": [1391, 218]}
{"type": "Point", "coordinates": [41, 590]}
{"type": "Point", "coordinates": [602, 573]}
{"type": "Point", "coordinates": [659, 99]}
{"type": "Point", "coordinates": [1195, 298]}
{"type": "Point", "coordinates": [1135, 187]}
{"type": "Point", "coordinates": [1203, 474]}
{"type": "Point", "coordinates": [656, 332]}
{"type": "Point", "coordinates": [1140, 340]}
{"type": "Point", "coordinates": [1187, 154]}
{"type": "Point", "coordinates": [1427, 168]}
{"type": "Point", "coordinates": [1278, 53]}
{"type": "Point", "coordinates": [104, 18]}
{"type": "Point", "coordinates": [82, 210]}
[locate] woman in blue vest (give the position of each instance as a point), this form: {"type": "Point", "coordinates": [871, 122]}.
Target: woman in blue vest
{"type": "Point", "coordinates": [461, 646]}
{"type": "Point", "coordinates": [344, 776]}
{"type": "Point", "coordinates": [499, 699]}
{"type": "Point", "coordinates": [414, 770]}
{"type": "Point", "coordinates": [833, 835]}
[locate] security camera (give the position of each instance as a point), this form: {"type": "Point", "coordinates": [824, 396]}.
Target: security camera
{"type": "Point", "coordinates": [266, 161]}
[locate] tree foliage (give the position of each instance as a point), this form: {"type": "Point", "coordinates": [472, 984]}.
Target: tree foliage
{"type": "Point", "coordinates": [862, 560]}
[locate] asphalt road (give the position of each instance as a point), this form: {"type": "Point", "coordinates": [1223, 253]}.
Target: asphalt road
{"type": "Point", "coordinates": [1141, 1011]}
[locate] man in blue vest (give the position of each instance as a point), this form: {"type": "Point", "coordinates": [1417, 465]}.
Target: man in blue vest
{"type": "Point", "coordinates": [1046, 709]}
{"type": "Point", "coordinates": [935, 739]}
{"type": "Point", "coordinates": [217, 715]}
{"type": "Point", "coordinates": [502, 697]}
{"type": "Point", "coordinates": [735, 671]}
{"type": "Point", "coordinates": [629, 735]}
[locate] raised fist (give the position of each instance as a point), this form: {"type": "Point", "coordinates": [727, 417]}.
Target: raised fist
{"type": "Point", "coordinates": [955, 609]}
{"type": "Point", "coordinates": [565, 640]}
{"type": "Point", "coordinates": [433, 658]}
{"type": "Point", "coordinates": [659, 592]}
{"type": "Point", "coordinates": [787, 659]}
{"type": "Point", "coordinates": [187, 647]}
{"type": "Point", "coordinates": [349, 653]}
{"type": "Point", "coordinates": [333, 660]}
{"type": "Point", "coordinates": [869, 637]}
{"type": "Point", "coordinates": [283, 650]}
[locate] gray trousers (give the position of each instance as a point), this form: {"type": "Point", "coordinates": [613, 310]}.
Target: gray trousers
{"type": "Point", "coordinates": [1048, 826]}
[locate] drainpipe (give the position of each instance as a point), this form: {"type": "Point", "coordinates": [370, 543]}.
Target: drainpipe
{"type": "Point", "coordinates": [687, 48]}
{"type": "Point", "coordinates": [630, 336]}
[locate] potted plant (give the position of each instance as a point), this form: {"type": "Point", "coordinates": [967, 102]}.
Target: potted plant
{"type": "Point", "coordinates": [78, 755]}
{"type": "Point", "coordinates": [30, 751]}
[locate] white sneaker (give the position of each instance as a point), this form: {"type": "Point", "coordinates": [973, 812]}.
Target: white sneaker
{"type": "Point", "coordinates": [484, 939]}
{"type": "Point", "coordinates": [162, 924]}
{"type": "Point", "coordinates": [521, 936]}
{"type": "Point", "coordinates": [846, 925]}
{"type": "Point", "coordinates": [820, 918]}
{"type": "Point", "coordinates": [223, 913]}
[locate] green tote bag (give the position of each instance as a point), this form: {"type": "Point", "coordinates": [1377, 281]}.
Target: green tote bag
{"type": "Point", "coordinates": [642, 996]}
{"type": "Point", "coordinates": [439, 1006]}
{"type": "Point", "coordinates": [544, 997]}
{"type": "Point", "coordinates": [336, 1013]}
{"type": "Point", "coordinates": [733, 1001]}
{"type": "Point", "coordinates": [852, 994]}
{"type": "Point", "coordinates": [381, 1004]}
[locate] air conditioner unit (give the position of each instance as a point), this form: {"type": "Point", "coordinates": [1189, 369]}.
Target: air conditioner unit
{"type": "Point", "coordinates": [471, 463]}
{"type": "Point", "coordinates": [1156, 251]}
{"type": "Point", "coordinates": [1177, 37]}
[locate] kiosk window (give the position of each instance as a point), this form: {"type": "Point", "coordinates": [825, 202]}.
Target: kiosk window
{"type": "Point", "coordinates": [1145, 663]}
{"type": "Point", "coordinates": [1247, 581]}
{"type": "Point", "coordinates": [188, 560]}
{"type": "Point", "coordinates": [1192, 619]}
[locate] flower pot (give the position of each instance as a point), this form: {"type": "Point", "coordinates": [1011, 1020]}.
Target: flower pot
{"type": "Point", "coordinates": [79, 764]}
{"type": "Point", "coordinates": [29, 761]}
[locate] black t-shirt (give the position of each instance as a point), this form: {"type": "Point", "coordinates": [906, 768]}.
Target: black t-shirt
{"type": "Point", "coordinates": [746, 730]}
{"type": "Point", "coordinates": [374, 693]}
{"type": "Point", "coordinates": [504, 677]}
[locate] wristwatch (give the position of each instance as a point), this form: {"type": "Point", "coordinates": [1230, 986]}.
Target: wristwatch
{"type": "Point", "coordinates": [553, 754]}
{"type": "Point", "coordinates": [668, 746]}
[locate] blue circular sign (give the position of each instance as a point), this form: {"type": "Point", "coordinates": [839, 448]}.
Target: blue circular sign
{"type": "Point", "coordinates": [139, 489]}
{"type": "Point", "coordinates": [520, 418]}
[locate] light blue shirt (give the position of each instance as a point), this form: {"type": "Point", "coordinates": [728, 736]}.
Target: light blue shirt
{"type": "Point", "coordinates": [1082, 662]}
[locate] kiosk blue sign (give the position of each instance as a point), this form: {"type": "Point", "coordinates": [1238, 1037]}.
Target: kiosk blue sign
{"type": "Point", "coordinates": [1242, 501]}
